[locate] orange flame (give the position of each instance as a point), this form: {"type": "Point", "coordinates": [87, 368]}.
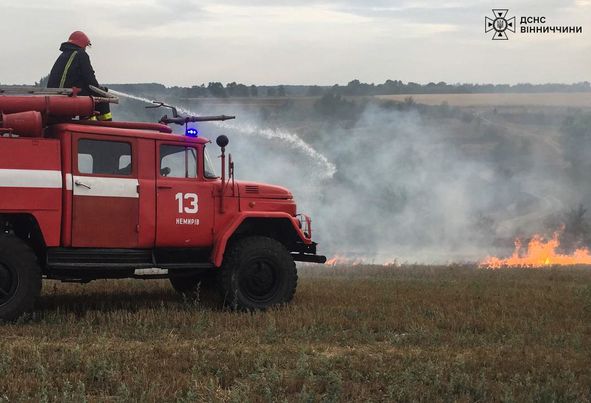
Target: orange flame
{"type": "Point", "coordinates": [539, 253]}
{"type": "Point", "coordinates": [339, 260]}
{"type": "Point", "coordinates": [342, 260]}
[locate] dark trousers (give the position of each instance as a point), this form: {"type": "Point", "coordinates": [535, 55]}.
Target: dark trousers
{"type": "Point", "coordinates": [104, 110]}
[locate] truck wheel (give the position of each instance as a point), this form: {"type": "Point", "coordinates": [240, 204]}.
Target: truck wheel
{"type": "Point", "coordinates": [258, 272]}
{"type": "Point", "coordinates": [20, 278]}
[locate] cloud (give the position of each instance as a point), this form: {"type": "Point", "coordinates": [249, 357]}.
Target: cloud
{"type": "Point", "coordinates": [288, 41]}
{"type": "Point", "coordinates": [291, 14]}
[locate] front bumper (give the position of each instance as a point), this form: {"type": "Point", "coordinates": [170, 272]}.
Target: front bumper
{"type": "Point", "coordinates": [307, 253]}
{"type": "Point", "coordinates": [302, 257]}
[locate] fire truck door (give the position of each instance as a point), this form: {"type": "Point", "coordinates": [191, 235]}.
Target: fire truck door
{"type": "Point", "coordinates": [184, 215]}
{"type": "Point", "coordinates": [105, 198]}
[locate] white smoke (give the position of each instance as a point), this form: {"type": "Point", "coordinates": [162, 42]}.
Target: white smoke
{"type": "Point", "coordinates": [399, 186]}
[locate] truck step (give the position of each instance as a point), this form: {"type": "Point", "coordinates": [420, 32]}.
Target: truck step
{"type": "Point", "coordinates": [166, 259]}
{"type": "Point", "coordinates": [100, 258]}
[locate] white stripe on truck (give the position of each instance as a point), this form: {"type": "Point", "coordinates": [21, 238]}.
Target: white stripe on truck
{"type": "Point", "coordinates": [105, 187]}
{"type": "Point", "coordinates": [47, 179]}
{"type": "Point", "coordinates": [30, 178]}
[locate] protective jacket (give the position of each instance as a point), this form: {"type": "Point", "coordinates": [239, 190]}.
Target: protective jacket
{"type": "Point", "coordinates": [72, 69]}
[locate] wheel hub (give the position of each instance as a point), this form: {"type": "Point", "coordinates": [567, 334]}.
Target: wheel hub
{"type": "Point", "coordinates": [259, 281]}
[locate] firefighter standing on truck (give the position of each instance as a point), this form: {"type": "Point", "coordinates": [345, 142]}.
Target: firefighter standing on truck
{"type": "Point", "coordinates": [73, 69]}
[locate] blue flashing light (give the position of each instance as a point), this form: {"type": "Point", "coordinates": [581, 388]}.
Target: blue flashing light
{"type": "Point", "coordinates": [191, 132]}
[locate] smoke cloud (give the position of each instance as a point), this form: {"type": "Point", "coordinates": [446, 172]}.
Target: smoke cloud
{"type": "Point", "coordinates": [400, 185]}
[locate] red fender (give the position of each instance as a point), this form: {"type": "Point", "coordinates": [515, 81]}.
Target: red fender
{"type": "Point", "coordinates": [221, 241]}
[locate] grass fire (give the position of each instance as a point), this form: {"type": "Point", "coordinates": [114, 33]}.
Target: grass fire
{"type": "Point", "coordinates": [539, 253]}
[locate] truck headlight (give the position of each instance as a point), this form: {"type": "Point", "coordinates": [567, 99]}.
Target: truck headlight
{"type": "Point", "coordinates": [305, 224]}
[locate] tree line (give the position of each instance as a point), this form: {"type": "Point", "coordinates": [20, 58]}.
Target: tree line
{"type": "Point", "coordinates": [355, 87]}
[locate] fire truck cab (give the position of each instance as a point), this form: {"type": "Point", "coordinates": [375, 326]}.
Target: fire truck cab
{"type": "Point", "coordinates": [83, 200]}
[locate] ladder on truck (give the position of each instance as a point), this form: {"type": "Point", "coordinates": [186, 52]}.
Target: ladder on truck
{"type": "Point", "coordinates": [23, 90]}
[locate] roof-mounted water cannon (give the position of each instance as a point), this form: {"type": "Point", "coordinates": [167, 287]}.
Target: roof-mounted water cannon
{"type": "Point", "coordinates": [183, 120]}
{"type": "Point", "coordinates": [186, 119]}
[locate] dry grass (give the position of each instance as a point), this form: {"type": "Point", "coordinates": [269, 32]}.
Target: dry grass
{"type": "Point", "coordinates": [364, 334]}
{"type": "Point", "coordinates": [554, 99]}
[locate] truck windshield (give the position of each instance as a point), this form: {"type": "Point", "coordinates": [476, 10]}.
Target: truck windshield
{"type": "Point", "coordinates": [209, 170]}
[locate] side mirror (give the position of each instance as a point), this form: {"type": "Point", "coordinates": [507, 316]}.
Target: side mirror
{"type": "Point", "coordinates": [222, 141]}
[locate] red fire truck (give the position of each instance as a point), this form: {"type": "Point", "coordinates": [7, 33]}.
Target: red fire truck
{"type": "Point", "coordinates": [82, 200]}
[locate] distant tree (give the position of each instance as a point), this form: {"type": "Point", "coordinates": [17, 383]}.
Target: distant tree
{"type": "Point", "coordinates": [353, 88]}
{"type": "Point", "coordinates": [197, 91]}
{"type": "Point", "coordinates": [42, 82]}
{"type": "Point", "coordinates": [584, 86]}
{"type": "Point", "coordinates": [242, 91]}
{"type": "Point", "coordinates": [336, 90]}
{"type": "Point", "coordinates": [271, 92]}
{"type": "Point", "coordinates": [390, 87]}
{"type": "Point", "coordinates": [237, 90]}
{"type": "Point", "coordinates": [413, 88]}
{"type": "Point", "coordinates": [254, 91]}
{"type": "Point", "coordinates": [314, 91]}
{"type": "Point", "coordinates": [281, 91]}
{"type": "Point", "coordinates": [231, 89]}
{"type": "Point", "coordinates": [216, 89]}
{"type": "Point", "coordinates": [335, 106]}
{"type": "Point", "coordinates": [356, 88]}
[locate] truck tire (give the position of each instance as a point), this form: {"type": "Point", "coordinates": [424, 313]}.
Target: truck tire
{"type": "Point", "coordinates": [20, 278]}
{"type": "Point", "coordinates": [257, 273]}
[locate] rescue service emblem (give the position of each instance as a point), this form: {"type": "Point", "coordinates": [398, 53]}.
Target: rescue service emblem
{"type": "Point", "coordinates": [500, 24]}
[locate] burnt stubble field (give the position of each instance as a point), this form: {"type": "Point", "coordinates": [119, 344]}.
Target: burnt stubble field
{"type": "Point", "coordinates": [364, 333]}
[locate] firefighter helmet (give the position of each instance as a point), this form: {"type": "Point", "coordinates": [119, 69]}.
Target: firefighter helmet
{"type": "Point", "coordinates": [79, 38]}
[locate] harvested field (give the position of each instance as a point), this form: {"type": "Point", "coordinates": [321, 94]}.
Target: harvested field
{"type": "Point", "coordinates": [556, 99]}
{"type": "Point", "coordinates": [352, 333]}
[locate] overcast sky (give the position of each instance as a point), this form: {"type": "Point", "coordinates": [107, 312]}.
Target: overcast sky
{"type": "Point", "coordinates": [185, 42]}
